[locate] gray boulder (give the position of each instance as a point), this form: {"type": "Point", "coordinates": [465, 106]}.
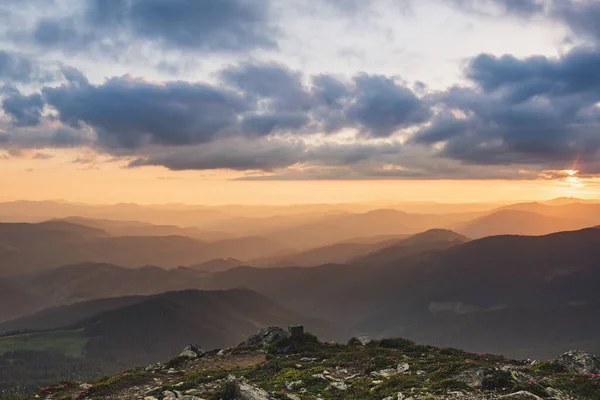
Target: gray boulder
{"type": "Point", "coordinates": [265, 337]}
{"type": "Point", "coordinates": [580, 362]}
{"type": "Point", "coordinates": [192, 351]}
{"type": "Point", "coordinates": [246, 391]}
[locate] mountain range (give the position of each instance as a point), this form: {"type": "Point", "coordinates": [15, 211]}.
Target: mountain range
{"type": "Point", "coordinates": [519, 279]}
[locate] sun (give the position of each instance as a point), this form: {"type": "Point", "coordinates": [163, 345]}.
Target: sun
{"type": "Point", "coordinates": [570, 172]}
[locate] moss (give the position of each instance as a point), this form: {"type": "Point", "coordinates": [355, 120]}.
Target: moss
{"type": "Point", "coordinates": [443, 385]}
{"type": "Point", "coordinates": [549, 367]}
{"type": "Point", "coordinates": [227, 391]}
{"type": "Point", "coordinates": [579, 386]}
{"type": "Point", "coordinates": [405, 345]}
{"type": "Point", "coordinates": [500, 381]}
{"type": "Point", "coordinates": [303, 343]}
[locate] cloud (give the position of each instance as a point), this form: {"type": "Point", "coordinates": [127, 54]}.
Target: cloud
{"type": "Point", "coordinates": [531, 111]}
{"type": "Point", "coordinates": [381, 106]}
{"type": "Point", "coordinates": [42, 156]}
{"type": "Point", "coordinates": [521, 8]}
{"type": "Point", "coordinates": [129, 113]}
{"type": "Point", "coordinates": [251, 100]}
{"type": "Point", "coordinates": [112, 26]}
{"type": "Point", "coordinates": [580, 15]}
{"type": "Point", "coordinates": [17, 68]}
{"type": "Point", "coordinates": [26, 110]}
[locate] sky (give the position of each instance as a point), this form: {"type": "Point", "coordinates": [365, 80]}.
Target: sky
{"type": "Point", "coordinates": [288, 101]}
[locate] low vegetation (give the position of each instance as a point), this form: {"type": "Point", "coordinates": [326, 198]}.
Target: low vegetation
{"type": "Point", "coordinates": [308, 369]}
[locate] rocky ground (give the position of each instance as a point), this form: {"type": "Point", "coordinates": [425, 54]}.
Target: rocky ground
{"type": "Point", "coordinates": [272, 365]}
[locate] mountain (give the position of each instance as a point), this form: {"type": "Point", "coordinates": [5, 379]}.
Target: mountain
{"type": "Point", "coordinates": [337, 253]}
{"type": "Point", "coordinates": [86, 281]}
{"type": "Point", "coordinates": [35, 247]}
{"type": "Point", "coordinates": [435, 288]}
{"type": "Point", "coordinates": [36, 211]}
{"type": "Point", "coordinates": [136, 228]}
{"type": "Point", "coordinates": [306, 232]}
{"type": "Point", "coordinates": [431, 240]}
{"type": "Point", "coordinates": [145, 329]}
{"type": "Point", "coordinates": [585, 213]}
{"type": "Point", "coordinates": [15, 302]}
{"type": "Point", "coordinates": [560, 201]}
{"type": "Point", "coordinates": [518, 222]}
{"type": "Point", "coordinates": [218, 264]}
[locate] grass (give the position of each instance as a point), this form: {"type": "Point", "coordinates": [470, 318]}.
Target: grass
{"type": "Point", "coordinates": [70, 343]}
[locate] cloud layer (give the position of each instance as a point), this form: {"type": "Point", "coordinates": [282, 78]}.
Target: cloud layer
{"type": "Point", "coordinates": [510, 117]}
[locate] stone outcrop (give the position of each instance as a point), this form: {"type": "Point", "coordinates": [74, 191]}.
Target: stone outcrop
{"type": "Point", "coordinates": [580, 362]}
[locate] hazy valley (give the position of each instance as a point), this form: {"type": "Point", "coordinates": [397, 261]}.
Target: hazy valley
{"type": "Point", "coordinates": [98, 295]}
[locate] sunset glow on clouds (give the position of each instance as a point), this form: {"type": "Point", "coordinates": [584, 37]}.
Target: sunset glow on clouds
{"type": "Point", "coordinates": [285, 95]}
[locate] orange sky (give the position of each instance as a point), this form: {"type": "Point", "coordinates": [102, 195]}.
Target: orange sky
{"type": "Point", "coordinates": [109, 182]}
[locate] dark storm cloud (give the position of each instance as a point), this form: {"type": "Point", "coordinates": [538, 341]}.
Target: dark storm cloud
{"type": "Point", "coordinates": [190, 25]}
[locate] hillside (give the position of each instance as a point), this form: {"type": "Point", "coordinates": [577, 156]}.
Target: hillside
{"type": "Point", "coordinates": [584, 212]}
{"type": "Point", "coordinates": [301, 367]}
{"type": "Point", "coordinates": [108, 335]}
{"type": "Point", "coordinates": [518, 222]}
{"type": "Point", "coordinates": [137, 228]}
{"type": "Point", "coordinates": [15, 302]}
{"type": "Point", "coordinates": [431, 240]}
{"type": "Point", "coordinates": [338, 253]}
{"type": "Point", "coordinates": [26, 248]}
{"type": "Point", "coordinates": [87, 281]}
{"type": "Point", "coordinates": [218, 264]}
{"type": "Point", "coordinates": [532, 272]}
{"type": "Point", "coordinates": [36, 211]}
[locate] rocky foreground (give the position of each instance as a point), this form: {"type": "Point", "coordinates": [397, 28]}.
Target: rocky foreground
{"type": "Point", "coordinates": [273, 365]}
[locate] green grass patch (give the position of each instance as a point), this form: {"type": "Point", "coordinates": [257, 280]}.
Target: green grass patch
{"type": "Point", "coordinates": [69, 343]}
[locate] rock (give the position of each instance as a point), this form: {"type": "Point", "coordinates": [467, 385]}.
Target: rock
{"type": "Point", "coordinates": [154, 367]}
{"type": "Point", "coordinates": [246, 391]}
{"type": "Point", "coordinates": [192, 392]}
{"type": "Point", "coordinates": [153, 391]}
{"type": "Point", "coordinates": [400, 396]}
{"type": "Point", "coordinates": [150, 398]}
{"type": "Point", "coordinates": [522, 395]}
{"type": "Point", "coordinates": [192, 351]}
{"type": "Point", "coordinates": [580, 362]}
{"type": "Point", "coordinates": [293, 385]}
{"type": "Point", "coordinates": [384, 373]}
{"type": "Point", "coordinates": [403, 367]}
{"type": "Point", "coordinates": [85, 386]}
{"type": "Point", "coordinates": [293, 397]}
{"type": "Point", "coordinates": [472, 377]}
{"type": "Point", "coordinates": [265, 337]}
{"type": "Point", "coordinates": [168, 395]}
{"type": "Point", "coordinates": [557, 394]}
{"type": "Point", "coordinates": [339, 385]}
